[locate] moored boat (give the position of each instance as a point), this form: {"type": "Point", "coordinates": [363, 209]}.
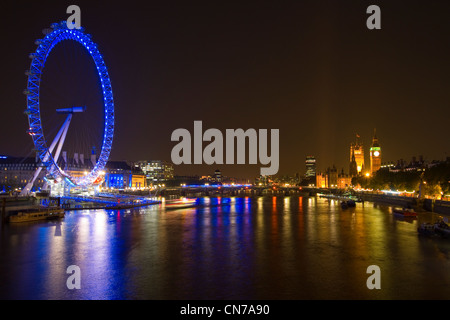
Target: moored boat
{"type": "Point", "coordinates": [351, 203]}
{"type": "Point", "coordinates": [442, 229]}
{"type": "Point", "coordinates": [28, 215]}
{"type": "Point", "coordinates": [427, 229]}
{"type": "Point", "coordinates": [348, 204]}
{"type": "Point", "coordinates": [406, 212]}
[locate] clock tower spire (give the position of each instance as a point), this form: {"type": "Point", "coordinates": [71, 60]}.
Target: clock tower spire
{"type": "Point", "coordinates": [375, 154]}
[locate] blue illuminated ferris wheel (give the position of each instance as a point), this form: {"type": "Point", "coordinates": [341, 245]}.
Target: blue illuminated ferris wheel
{"type": "Point", "coordinates": [60, 32]}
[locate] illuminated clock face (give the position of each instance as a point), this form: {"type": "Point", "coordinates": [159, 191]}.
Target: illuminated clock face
{"type": "Point", "coordinates": [376, 153]}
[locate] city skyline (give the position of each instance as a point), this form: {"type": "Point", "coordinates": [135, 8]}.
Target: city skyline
{"type": "Point", "coordinates": [211, 154]}
{"type": "Point", "coordinates": [312, 70]}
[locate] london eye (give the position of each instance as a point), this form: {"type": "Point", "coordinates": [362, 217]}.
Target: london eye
{"type": "Point", "coordinates": [48, 152]}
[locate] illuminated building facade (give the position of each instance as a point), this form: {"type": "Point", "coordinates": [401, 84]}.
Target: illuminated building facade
{"type": "Point", "coordinates": [115, 181]}
{"type": "Point", "coordinates": [332, 178]}
{"type": "Point", "coordinates": [218, 175]}
{"type": "Point", "coordinates": [344, 180]}
{"type": "Point", "coordinates": [156, 170]}
{"type": "Point", "coordinates": [16, 173]}
{"type": "Point", "coordinates": [357, 149]}
{"type": "Point", "coordinates": [322, 180]}
{"type": "Point", "coordinates": [310, 167]}
{"type": "Point", "coordinates": [118, 175]}
{"type": "Point", "coordinates": [327, 180]}
{"type": "Point", "coordinates": [138, 181]}
{"type": "Point", "coordinates": [375, 155]}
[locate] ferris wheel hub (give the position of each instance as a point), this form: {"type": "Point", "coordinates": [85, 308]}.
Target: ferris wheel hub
{"type": "Point", "coordinates": [71, 110]}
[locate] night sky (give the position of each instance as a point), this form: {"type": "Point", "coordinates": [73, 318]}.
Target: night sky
{"type": "Point", "coordinates": [311, 69]}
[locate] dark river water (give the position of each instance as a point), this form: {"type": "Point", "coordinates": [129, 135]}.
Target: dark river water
{"type": "Point", "coordinates": [228, 248]}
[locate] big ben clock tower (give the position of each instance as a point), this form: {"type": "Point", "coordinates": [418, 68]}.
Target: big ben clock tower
{"type": "Point", "coordinates": [375, 154]}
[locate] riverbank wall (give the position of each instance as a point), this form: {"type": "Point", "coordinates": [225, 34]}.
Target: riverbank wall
{"type": "Point", "coordinates": [437, 206]}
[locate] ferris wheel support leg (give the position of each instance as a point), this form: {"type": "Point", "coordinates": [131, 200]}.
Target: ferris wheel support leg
{"type": "Point", "coordinates": [62, 132]}
{"type": "Point", "coordinates": [61, 141]}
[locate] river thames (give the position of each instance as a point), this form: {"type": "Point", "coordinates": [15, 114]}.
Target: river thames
{"type": "Point", "coordinates": [292, 248]}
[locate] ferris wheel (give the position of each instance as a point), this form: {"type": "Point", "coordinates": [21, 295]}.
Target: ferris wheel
{"type": "Point", "coordinates": [47, 154]}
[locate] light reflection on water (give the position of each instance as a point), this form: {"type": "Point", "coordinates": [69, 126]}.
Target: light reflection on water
{"type": "Point", "coordinates": [230, 248]}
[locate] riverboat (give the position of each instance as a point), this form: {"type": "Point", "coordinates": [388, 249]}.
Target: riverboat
{"type": "Point", "coordinates": [442, 229]}
{"type": "Point", "coordinates": [348, 204]}
{"type": "Point", "coordinates": [36, 214]}
{"type": "Point", "coordinates": [427, 229]}
{"type": "Point", "coordinates": [180, 204]}
{"type": "Point", "coordinates": [405, 212]}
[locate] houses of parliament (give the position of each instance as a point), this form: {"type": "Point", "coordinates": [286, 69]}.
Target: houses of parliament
{"type": "Point", "coordinates": [357, 167]}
